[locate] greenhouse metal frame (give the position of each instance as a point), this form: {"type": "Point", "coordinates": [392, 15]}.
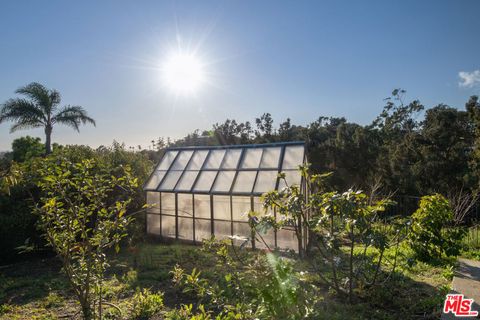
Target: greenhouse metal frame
{"type": "Point", "coordinates": [196, 192]}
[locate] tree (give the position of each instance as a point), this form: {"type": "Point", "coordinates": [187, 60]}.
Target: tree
{"type": "Point", "coordinates": [83, 215]}
{"type": "Point", "coordinates": [40, 109]}
{"type": "Point", "coordinates": [25, 148]}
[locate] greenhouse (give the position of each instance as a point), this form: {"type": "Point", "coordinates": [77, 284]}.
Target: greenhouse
{"type": "Point", "coordinates": [197, 192]}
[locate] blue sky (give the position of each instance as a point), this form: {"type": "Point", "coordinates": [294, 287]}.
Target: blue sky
{"type": "Point", "coordinates": [297, 59]}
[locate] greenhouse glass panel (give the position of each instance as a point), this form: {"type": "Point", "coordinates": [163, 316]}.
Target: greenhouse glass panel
{"type": "Point", "coordinates": [197, 160]}
{"type": "Point", "coordinates": [153, 202]}
{"type": "Point", "coordinates": [292, 177]}
{"type": "Point", "coordinates": [182, 160]}
{"type": "Point", "coordinates": [170, 181]}
{"type": "Point", "coordinates": [202, 206]}
{"type": "Point", "coordinates": [185, 228]}
{"type": "Point", "coordinates": [252, 157]}
{"type": "Point", "coordinates": [168, 203]}
{"type": "Point", "coordinates": [185, 205]}
{"type": "Point", "coordinates": [221, 208]}
{"type": "Point", "coordinates": [293, 157]}
{"type": "Point", "coordinates": [231, 159]}
{"type": "Point", "coordinates": [167, 160]}
{"type": "Point", "coordinates": [187, 180]}
{"type": "Point", "coordinates": [271, 158]}
{"type": "Point", "coordinates": [222, 229]}
{"type": "Point", "coordinates": [287, 239]}
{"type": "Point", "coordinates": [168, 226]}
{"type": "Point", "coordinates": [245, 180]}
{"type": "Point", "coordinates": [266, 181]}
{"type": "Point", "coordinates": [215, 159]}
{"type": "Point", "coordinates": [242, 232]}
{"type": "Point", "coordinates": [224, 181]}
{"type": "Point", "coordinates": [203, 230]}
{"type": "Point", "coordinates": [205, 180]}
{"type": "Point", "coordinates": [153, 224]}
{"type": "Point", "coordinates": [241, 206]}
{"type": "Point", "coordinates": [155, 180]}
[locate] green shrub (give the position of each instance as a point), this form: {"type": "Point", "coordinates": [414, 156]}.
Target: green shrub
{"type": "Point", "coordinates": [432, 233]}
{"type": "Point", "coordinates": [146, 304]}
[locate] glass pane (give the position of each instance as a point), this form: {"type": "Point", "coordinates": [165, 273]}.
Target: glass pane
{"type": "Point", "coordinates": [182, 160]}
{"type": "Point", "coordinates": [204, 182]}
{"type": "Point", "coordinates": [155, 179]}
{"type": "Point", "coordinates": [245, 180]}
{"type": "Point", "coordinates": [170, 180]}
{"type": "Point", "coordinates": [168, 203]}
{"type": "Point", "coordinates": [215, 159]}
{"type": "Point", "coordinates": [258, 207]}
{"type": "Point", "coordinates": [203, 230]}
{"type": "Point", "coordinates": [293, 177]}
{"type": "Point", "coordinates": [287, 239]}
{"type": "Point", "coordinates": [251, 159]}
{"type": "Point", "coordinates": [268, 240]}
{"type": "Point", "coordinates": [221, 207]}
{"type": "Point", "coordinates": [224, 181]}
{"type": "Point", "coordinates": [266, 181]}
{"type": "Point", "coordinates": [271, 158]}
{"type": "Point", "coordinates": [185, 228]}
{"type": "Point", "coordinates": [167, 160]}
{"type": "Point", "coordinates": [153, 202]}
{"type": "Point", "coordinates": [241, 206]}
{"type": "Point", "coordinates": [197, 160]}
{"type": "Point", "coordinates": [222, 229]}
{"type": "Point", "coordinates": [202, 206]}
{"type": "Point", "coordinates": [293, 157]}
{"type": "Point", "coordinates": [153, 224]}
{"type": "Point", "coordinates": [168, 226]}
{"type": "Point", "coordinates": [186, 181]}
{"type": "Point", "coordinates": [185, 205]}
{"type": "Point", "coordinates": [242, 230]}
{"type": "Point", "coordinates": [231, 159]}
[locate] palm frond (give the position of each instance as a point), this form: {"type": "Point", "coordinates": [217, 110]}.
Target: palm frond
{"type": "Point", "coordinates": [72, 116]}
{"type": "Point", "coordinates": [25, 124]}
{"type": "Point", "coordinates": [44, 98]}
{"type": "Point", "coordinates": [21, 110]}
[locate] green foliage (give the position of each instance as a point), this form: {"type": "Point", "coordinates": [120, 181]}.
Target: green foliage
{"type": "Point", "coordinates": [263, 286]}
{"type": "Point", "coordinates": [432, 232]}
{"type": "Point", "coordinates": [337, 224]}
{"type": "Point", "coordinates": [83, 214]}
{"type": "Point", "coordinates": [146, 304]}
{"type": "Point", "coordinates": [26, 148]}
{"type": "Point", "coordinates": [20, 184]}
{"type": "Point", "coordinates": [471, 243]}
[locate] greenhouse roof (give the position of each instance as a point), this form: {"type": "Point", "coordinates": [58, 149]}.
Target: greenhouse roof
{"type": "Point", "coordinates": [237, 169]}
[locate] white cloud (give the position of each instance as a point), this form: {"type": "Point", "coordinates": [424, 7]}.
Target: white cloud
{"type": "Point", "coordinates": [469, 79]}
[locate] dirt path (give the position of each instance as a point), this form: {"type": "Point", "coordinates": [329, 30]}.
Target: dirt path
{"type": "Point", "coordinates": [467, 282]}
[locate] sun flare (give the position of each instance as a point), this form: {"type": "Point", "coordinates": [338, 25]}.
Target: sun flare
{"type": "Point", "coordinates": [183, 73]}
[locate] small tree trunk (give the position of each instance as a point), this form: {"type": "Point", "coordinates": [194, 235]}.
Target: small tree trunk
{"type": "Point", "coordinates": [350, 287]}
{"type": "Point", "coordinates": [48, 142]}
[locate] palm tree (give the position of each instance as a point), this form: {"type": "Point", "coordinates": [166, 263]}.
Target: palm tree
{"type": "Point", "coordinates": [39, 109]}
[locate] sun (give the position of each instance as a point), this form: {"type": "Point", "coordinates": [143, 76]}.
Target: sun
{"type": "Point", "coordinates": [183, 73]}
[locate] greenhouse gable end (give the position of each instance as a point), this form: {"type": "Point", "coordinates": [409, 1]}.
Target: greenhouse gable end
{"type": "Point", "coordinates": [197, 192]}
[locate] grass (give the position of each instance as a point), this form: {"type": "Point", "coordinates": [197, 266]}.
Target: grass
{"type": "Point", "coordinates": [471, 243]}
{"type": "Point", "coordinates": [38, 290]}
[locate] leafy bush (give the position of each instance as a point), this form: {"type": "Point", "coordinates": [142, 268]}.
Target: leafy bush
{"type": "Point", "coordinates": [146, 304]}
{"type": "Point", "coordinates": [257, 286]}
{"type": "Point", "coordinates": [337, 224]}
{"type": "Point", "coordinates": [19, 191]}
{"type": "Point", "coordinates": [432, 233]}
{"type": "Point", "coordinates": [83, 214]}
